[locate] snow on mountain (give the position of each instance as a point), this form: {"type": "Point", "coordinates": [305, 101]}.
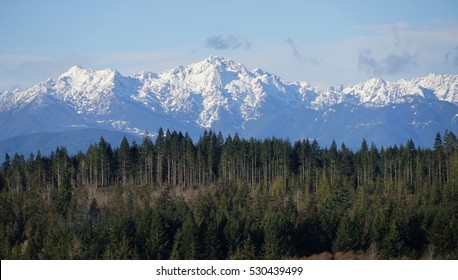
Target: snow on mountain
{"type": "Point", "coordinates": [37, 95]}
{"type": "Point", "coordinates": [377, 92]}
{"type": "Point", "coordinates": [210, 88]}
{"type": "Point", "coordinates": [445, 87]}
{"type": "Point", "coordinates": [217, 83]}
{"type": "Point", "coordinates": [220, 94]}
{"type": "Point", "coordinates": [92, 92]}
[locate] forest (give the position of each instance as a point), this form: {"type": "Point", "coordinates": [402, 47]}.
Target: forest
{"type": "Point", "coordinates": [231, 198]}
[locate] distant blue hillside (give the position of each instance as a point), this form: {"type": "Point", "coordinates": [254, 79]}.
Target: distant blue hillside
{"type": "Point", "coordinates": [74, 141]}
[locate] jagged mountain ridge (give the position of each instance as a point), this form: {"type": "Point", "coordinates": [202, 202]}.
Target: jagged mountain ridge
{"type": "Point", "coordinates": [220, 94]}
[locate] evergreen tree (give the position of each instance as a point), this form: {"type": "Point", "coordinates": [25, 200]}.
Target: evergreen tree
{"type": "Point", "coordinates": [186, 245]}
{"type": "Point", "coordinates": [159, 239]}
{"type": "Point", "coordinates": [124, 160]}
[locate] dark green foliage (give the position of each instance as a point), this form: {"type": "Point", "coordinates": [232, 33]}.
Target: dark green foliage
{"type": "Point", "coordinates": [350, 234]}
{"type": "Point", "coordinates": [231, 198]}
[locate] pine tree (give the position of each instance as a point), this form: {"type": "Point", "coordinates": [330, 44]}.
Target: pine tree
{"type": "Point", "coordinates": [350, 235]}
{"type": "Point", "coordinates": [106, 162]}
{"type": "Point", "coordinates": [278, 233]}
{"type": "Point", "coordinates": [214, 240]}
{"type": "Point", "coordinates": [159, 239]}
{"type": "Point", "coordinates": [160, 148]}
{"type": "Point", "coordinates": [439, 156]}
{"type": "Point", "coordinates": [393, 244]}
{"type": "Point", "coordinates": [147, 154]}
{"type": "Point", "coordinates": [186, 245]}
{"type": "Point", "coordinates": [124, 160]}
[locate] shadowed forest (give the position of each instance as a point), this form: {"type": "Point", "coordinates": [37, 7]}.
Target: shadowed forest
{"type": "Point", "coordinates": [231, 198]}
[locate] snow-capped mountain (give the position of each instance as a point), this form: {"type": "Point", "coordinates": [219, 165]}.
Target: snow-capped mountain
{"type": "Point", "coordinates": [207, 91]}
{"type": "Point", "coordinates": [220, 94]}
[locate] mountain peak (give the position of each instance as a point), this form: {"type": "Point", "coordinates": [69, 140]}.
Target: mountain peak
{"type": "Point", "coordinates": [217, 60]}
{"type": "Point", "coordinates": [78, 74]}
{"type": "Point", "coordinates": [214, 59]}
{"type": "Point", "coordinates": [75, 70]}
{"type": "Point", "coordinates": [222, 64]}
{"type": "Point", "coordinates": [260, 72]}
{"type": "Point", "coordinates": [376, 81]}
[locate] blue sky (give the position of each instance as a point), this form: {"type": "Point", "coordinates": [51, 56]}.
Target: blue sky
{"type": "Point", "coordinates": [322, 42]}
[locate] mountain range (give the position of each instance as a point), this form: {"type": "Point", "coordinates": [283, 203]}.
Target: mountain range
{"type": "Point", "coordinates": [222, 95]}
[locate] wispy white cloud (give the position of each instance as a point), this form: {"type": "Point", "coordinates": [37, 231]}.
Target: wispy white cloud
{"type": "Point", "coordinates": [293, 46]}
{"type": "Point", "coordinates": [225, 42]}
{"type": "Point", "coordinates": [451, 57]}
{"type": "Point", "coordinates": [392, 63]}
{"type": "Point", "coordinates": [297, 54]}
{"type": "Point", "coordinates": [401, 50]}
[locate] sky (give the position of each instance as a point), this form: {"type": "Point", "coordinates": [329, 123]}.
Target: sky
{"type": "Point", "coordinates": [324, 43]}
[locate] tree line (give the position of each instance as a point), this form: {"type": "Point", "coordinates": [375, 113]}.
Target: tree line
{"type": "Point", "coordinates": [231, 198]}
